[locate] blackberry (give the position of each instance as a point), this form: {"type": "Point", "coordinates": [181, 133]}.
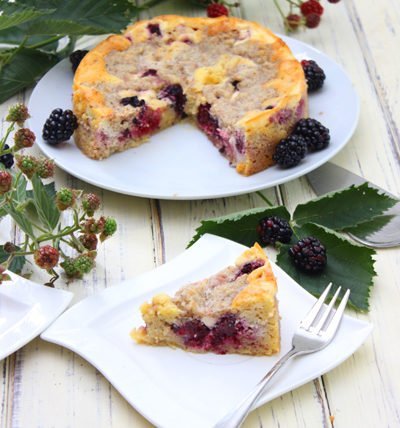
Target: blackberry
{"type": "Point", "coordinates": [272, 229]}
{"type": "Point", "coordinates": [76, 57]}
{"type": "Point", "coordinates": [215, 10]}
{"type": "Point", "coordinates": [316, 135]}
{"type": "Point", "coordinates": [8, 159]}
{"type": "Point", "coordinates": [177, 97]}
{"type": "Point", "coordinates": [154, 29]}
{"type": "Point", "coordinates": [309, 255]}
{"type": "Point", "coordinates": [46, 257]}
{"type": "Point", "coordinates": [132, 101]}
{"type": "Point", "coordinates": [314, 74]}
{"type": "Point", "coordinates": [59, 126]}
{"type": "Point", "coordinates": [290, 151]}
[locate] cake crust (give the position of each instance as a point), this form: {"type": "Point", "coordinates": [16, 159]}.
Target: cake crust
{"type": "Point", "coordinates": [245, 123]}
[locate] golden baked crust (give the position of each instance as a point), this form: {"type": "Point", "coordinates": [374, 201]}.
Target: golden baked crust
{"type": "Point", "coordinates": [194, 317]}
{"type": "Point", "coordinates": [231, 47]}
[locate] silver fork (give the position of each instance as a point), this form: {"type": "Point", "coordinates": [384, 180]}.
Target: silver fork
{"type": "Point", "coordinates": [315, 331]}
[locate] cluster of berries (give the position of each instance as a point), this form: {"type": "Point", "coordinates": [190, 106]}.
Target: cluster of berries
{"type": "Point", "coordinates": [301, 13]}
{"type": "Point", "coordinates": [308, 253]}
{"type": "Point", "coordinates": [308, 14]}
{"type": "Point", "coordinates": [308, 135]}
{"type": "Point", "coordinates": [23, 137]}
{"type": "Point", "coordinates": [85, 232]}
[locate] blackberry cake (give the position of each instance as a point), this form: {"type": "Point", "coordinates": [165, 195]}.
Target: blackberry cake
{"type": "Point", "coordinates": [232, 311]}
{"type": "Point", "coordinates": [235, 79]}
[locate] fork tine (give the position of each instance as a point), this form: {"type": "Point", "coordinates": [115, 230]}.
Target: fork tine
{"type": "Point", "coordinates": [334, 324]}
{"type": "Point", "coordinates": [327, 312]}
{"type": "Point", "coordinates": [310, 317]}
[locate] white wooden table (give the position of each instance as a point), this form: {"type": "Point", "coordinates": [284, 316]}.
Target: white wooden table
{"type": "Point", "coordinates": [43, 385]}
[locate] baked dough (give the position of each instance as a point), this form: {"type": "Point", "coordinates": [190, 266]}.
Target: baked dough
{"type": "Point", "coordinates": [237, 80]}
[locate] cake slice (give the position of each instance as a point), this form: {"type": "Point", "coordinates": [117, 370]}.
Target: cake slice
{"type": "Point", "coordinates": [232, 311]}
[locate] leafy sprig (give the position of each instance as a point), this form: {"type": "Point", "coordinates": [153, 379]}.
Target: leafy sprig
{"type": "Point", "coordinates": [32, 29]}
{"type": "Point", "coordinates": [38, 212]}
{"type": "Point", "coordinates": [349, 264]}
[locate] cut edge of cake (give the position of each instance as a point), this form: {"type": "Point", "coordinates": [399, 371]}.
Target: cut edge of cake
{"type": "Point", "coordinates": [232, 311]}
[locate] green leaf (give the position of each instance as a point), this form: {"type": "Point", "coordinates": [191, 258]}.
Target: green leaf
{"type": "Point", "coordinates": [77, 17]}
{"type": "Point", "coordinates": [19, 186]}
{"type": "Point", "coordinates": [241, 226]}
{"type": "Point", "coordinates": [13, 14]}
{"type": "Point", "coordinates": [349, 265]}
{"type": "Point", "coordinates": [21, 220]}
{"type": "Point", "coordinates": [25, 67]}
{"type": "Point", "coordinates": [17, 262]}
{"type": "Point", "coordinates": [45, 204]}
{"type": "Point", "coordinates": [344, 209]}
{"type": "Point", "coordinates": [363, 230]}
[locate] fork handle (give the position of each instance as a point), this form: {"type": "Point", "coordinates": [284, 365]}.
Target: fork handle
{"type": "Point", "coordinates": [235, 418]}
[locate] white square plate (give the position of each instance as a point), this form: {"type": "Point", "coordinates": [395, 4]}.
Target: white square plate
{"type": "Point", "coordinates": [177, 389]}
{"type": "Point", "coordinates": [26, 309]}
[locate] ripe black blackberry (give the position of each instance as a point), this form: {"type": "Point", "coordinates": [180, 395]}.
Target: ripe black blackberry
{"type": "Point", "coordinates": [8, 159]}
{"type": "Point", "coordinates": [76, 57]}
{"type": "Point", "coordinates": [315, 76]}
{"type": "Point", "coordinates": [59, 126]}
{"type": "Point", "coordinates": [290, 151]}
{"type": "Point", "coordinates": [272, 229]}
{"type": "Point", "coordinates": [316, 135]}
{"type": "Point", "coordinates": [309, 255]}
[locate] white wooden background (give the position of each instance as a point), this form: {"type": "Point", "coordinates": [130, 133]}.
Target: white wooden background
{"type": "Point", "coordinates": [43, 385]}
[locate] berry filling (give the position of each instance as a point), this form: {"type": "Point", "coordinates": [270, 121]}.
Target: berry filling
{"type": "Point", "coordinates": [230, 145]}
{"type": "Point", "coordinates": [146, 122]}
{"type": "Point", "coordinates": [132, 101]}
{"type": "Point", "coordinates": [174, 93]}
{"type": "Point", "coordinates": [150, 72]}
{"type": "Point", "coordinates": [154, 29]}
{"type": "Point", "coordinates": [249, 267]}
{"type": "Point", "coordinates": [229, 331]}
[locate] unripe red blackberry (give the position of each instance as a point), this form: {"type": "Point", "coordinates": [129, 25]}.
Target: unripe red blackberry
{"type": "Point", "coordinates": [89, 241]}
{"type": "Point", "coordinates": [9, 247]}
{"type": "Point", "coordinates": [293, 22]}
{"type": "Point", "coordinates": [90, 203]}
{"type": "Point", "coordinates": [214, 10]}
{"type": "Point", "coordinates": [311, 7]}
{"type": "Point", "coordinates": [45, 168]}
{"type": "Point", "coordinates": [46, 257]}
{"type": "Point", "coordinates": [18, 113]}
{"type": "Point", "coordinates": [24, 138]}
{"type": "Point", "coordinates": [5, 182]}
{"type": "Point", "coordinates": [312, 20]}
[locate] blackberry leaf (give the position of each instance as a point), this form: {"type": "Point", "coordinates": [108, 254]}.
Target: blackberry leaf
{"type": "Point", "coordinates": [17, 262]}
{"type": "Point", "coordinates": [21, 69]}
{"type": "Point", "coordinates": [13, 15]}
{"type": "Point", "coordinates": [344, 209]}
{"type": "Point", "coordinates": [356, 275]}
{"type": "Point", "coordinates": [241, 226]}
{"type": "Point", "coordinates": [44, 204]}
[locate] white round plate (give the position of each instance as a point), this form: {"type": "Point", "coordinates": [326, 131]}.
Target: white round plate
{"type": "Point", "coordinates": [180, 162]}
